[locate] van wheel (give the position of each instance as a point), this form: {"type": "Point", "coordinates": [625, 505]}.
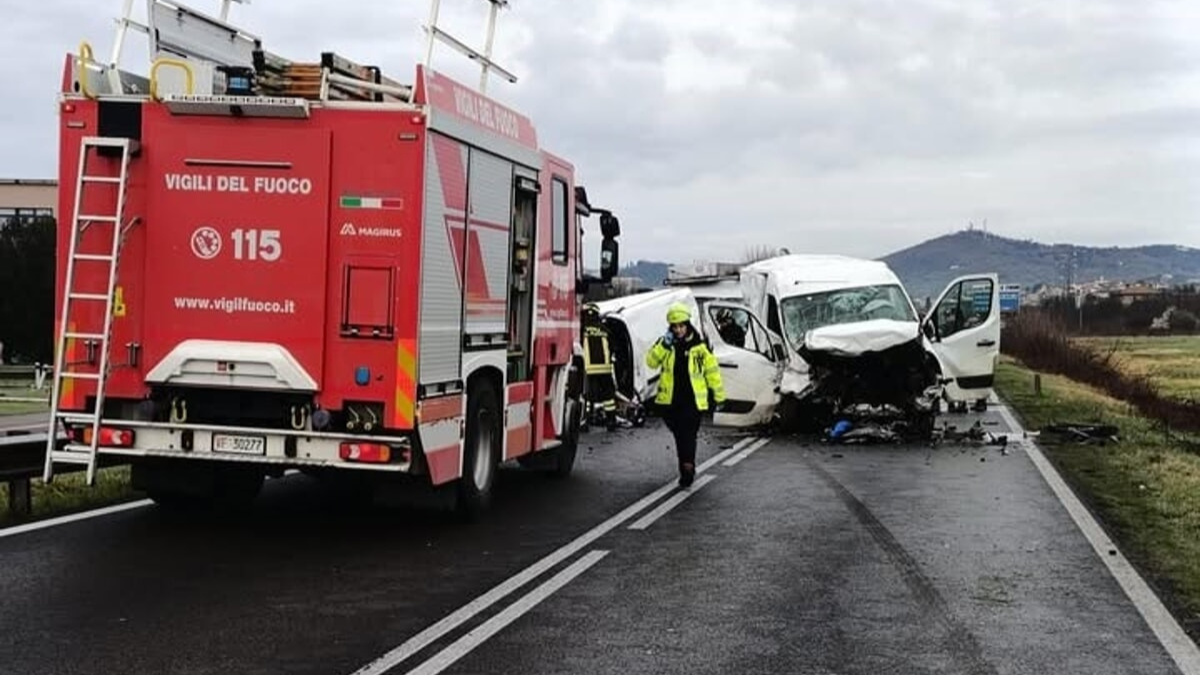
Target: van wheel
{"type": "Point", "coordinates": [480, 452]}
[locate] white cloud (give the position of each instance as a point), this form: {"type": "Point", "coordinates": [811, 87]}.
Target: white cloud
{"type": "Point", "coordinates": [844, 125]}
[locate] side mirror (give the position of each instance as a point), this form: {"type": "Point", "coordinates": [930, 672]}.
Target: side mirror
{"type": "Point", "coordinates": [779, 351]}
{"type": "Point", "coordinates": [610, 226]}
{"type": "Point", "coordinates": [610, 259]}
{"type": "Point", "coordinates": [928, 329]}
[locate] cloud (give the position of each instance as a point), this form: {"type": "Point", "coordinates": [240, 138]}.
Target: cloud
{"type": "Point", "coordinates": [855, 126]}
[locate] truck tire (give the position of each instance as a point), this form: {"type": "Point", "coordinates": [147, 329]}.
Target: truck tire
{"type": "Point", "coordinates": [481, 451]}
{"type": "Point", "coordinates": [564, 455]}
{"type": "Point", "coordinates": [185, 486]}
{"type": "Point", "coordinates": [559, 462]}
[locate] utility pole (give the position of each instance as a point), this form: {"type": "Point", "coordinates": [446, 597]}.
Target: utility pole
{"type": "Point", "coordinates": [1069, 272]}
{"type": "Point", "coordinates": [1072, 259]}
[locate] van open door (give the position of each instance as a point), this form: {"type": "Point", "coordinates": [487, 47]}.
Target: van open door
{"type": "Point", "coordinates": [751, 360]}
{"type": "Point", "coordinates": [964, 331]}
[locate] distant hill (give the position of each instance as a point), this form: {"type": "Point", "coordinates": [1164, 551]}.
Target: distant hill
{"type": "Point", "coordinates": [928, 267]}
{"type": "Point", "coordinates": [651, 273]}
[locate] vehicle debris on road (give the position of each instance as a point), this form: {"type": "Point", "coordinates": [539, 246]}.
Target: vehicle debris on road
{"type": "Point", "coordinates": [1087, 434]}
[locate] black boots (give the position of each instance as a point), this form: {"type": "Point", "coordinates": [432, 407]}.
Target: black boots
{"type": "Point", "coordinates": [687, 474]}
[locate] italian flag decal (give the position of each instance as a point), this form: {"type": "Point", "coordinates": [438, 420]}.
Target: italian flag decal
{"type": "Point", "coordinates": [358, 202]}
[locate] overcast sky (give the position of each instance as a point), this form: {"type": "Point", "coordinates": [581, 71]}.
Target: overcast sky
{"type": "Point", "coordinates": [851, 126]}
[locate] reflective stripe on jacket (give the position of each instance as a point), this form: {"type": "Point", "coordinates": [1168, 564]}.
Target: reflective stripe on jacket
{"type": "Point", "coordinates": [702, 366]}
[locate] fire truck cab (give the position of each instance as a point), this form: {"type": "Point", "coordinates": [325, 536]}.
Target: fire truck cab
{"type": "Point", "coordinates": [269, 265]}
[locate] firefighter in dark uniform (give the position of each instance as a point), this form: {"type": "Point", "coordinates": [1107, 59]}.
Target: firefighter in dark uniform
{"type": "Point", "coordinates": [598, 366]}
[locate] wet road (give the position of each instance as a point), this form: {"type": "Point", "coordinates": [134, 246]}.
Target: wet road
{"type": "Point", "coordinates": [786, 557]}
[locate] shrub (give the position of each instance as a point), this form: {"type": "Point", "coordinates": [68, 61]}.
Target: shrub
{"type": "Point", "coordinates": [1184, 321]}
{"type": "Point", "coordinates": [1041, 342]}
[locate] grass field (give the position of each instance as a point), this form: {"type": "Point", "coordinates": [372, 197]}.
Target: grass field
{"type": "Point", "coordinates": [11, 408]}
{"type": "Point", "coordinates": [1171, 363]}
{"type": "Point", "coordinates": [1145, 488]}
{"type": "Point", "coordinates": [69, 494]}
{"type": "Point", "coordinates": [19, 388]}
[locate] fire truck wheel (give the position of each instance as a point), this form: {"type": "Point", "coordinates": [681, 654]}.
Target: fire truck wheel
{"type": "Point", "coordinates": [564, 456]}
{"type": "Point", "coordinates": [480, 450]}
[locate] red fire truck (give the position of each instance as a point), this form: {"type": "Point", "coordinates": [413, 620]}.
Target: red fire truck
{"type": "Point", "coordinates": [270, 265]}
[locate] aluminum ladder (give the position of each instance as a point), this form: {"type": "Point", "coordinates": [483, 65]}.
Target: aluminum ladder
{"type": "Point", "coordinates": [74, 452]}
{"type": "Point", "coordinates": [484, 58]}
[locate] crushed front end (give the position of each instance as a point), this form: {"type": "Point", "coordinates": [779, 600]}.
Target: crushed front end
{"type": "Point", "coordinates": [885, 390]}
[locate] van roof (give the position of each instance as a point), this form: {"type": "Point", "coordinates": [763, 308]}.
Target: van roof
{"type": "Point", "coordinates": [813, 273]}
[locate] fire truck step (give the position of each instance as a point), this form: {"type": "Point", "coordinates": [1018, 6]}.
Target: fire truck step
{"type": "Point", "coordinates": [73, 454]}
{"type": "Point", "coordinates": [94, 256]}
{"type": "Point", "coordinates": [89, 296]}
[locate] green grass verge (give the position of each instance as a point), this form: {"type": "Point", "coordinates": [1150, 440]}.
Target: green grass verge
{"type": "Point", "coordinates": [20, 408]}
{"type": "Point", "coordinates": [69, 493]}
{"type": "Point", "coordinates": [1172, 363]}
{"type": "Point", "coordinates": [1145, 489]}
{"type": "Point", "coordinates": [21, 389]}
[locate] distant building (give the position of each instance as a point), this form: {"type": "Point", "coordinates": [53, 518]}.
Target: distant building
{"type": "Point", "coordinates": [1130, 294]}
{"type": "Point", "coordinates": [22, 198]}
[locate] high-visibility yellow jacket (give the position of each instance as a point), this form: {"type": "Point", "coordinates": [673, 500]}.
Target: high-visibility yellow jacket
{"type": "Point", "coordinates": [597, 359]}
{"type": "Point", "coordinates": [702, 366]}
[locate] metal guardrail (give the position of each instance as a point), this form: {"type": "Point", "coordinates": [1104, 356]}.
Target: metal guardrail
{"type": "Point", "coordinates": [22, 457]}
{"type": "Point", "coordinates": [40, 374]}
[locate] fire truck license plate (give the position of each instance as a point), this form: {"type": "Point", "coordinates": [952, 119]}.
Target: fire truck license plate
{"type": "Point", "coordinates": [244, 445]}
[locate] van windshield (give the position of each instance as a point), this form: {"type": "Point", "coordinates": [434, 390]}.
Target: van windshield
{"type": "Point", "coordinates": [802, 313]}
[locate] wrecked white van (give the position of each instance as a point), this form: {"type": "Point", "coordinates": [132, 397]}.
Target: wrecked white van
{"type": "Point", "coordinates": [634, 323]}
{"type": "Point", "coordinates": [825, 338]}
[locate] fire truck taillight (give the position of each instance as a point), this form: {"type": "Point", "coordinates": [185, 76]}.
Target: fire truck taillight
{"type": "Point", "coordinates": [110, 437]}
{"type": "Point", "coordinates": [366, 452]}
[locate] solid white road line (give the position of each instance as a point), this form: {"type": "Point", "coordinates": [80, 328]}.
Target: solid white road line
{"type": "Point", "coordinates": [665, 507]}
{"type": "Point", "coordinates": [473, 639]}
{"type": "Point", "coordinates": [463, 614]}
{"type": "Point", "coordinates": [62, 520]}
{"type": "Point", "coordinates": [1181, 648]}
{"type": "Point", "coordinates": [715, 459]}
{"type": "Point", "coordinates": [747, 452]}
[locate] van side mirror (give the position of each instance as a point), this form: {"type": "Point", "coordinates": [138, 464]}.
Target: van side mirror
{"type": "Point", "coordinates": [929, 329]}
{"type": "Point", "coordinates": [779, 351]}
{"type": "Point", "coordinates": [610, 259]}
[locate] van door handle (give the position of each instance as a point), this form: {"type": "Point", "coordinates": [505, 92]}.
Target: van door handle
{"type": "Point", "coordinates": [986, 343]}
{"type": "Point", "coordinates": [727, 365]}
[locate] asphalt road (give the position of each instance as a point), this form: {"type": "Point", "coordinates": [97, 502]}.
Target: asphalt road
{"type": "Point", "coordinates": [799, 558]}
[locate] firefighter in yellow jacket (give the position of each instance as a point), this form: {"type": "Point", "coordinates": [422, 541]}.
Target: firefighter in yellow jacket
{"type": "Point", "coordinates": [689, 375]}
{"type": "Point", "coordinates": [598, 366]}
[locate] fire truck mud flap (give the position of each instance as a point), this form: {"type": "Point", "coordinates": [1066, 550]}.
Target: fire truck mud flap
{"type": "Point", "coordinates": [240, 213]}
